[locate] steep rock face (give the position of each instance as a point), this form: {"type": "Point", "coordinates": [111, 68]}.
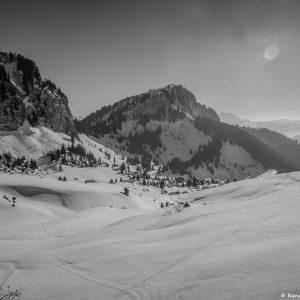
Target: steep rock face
{"type": "Point", "coordinates": [186, 102]}
{"type": "Point", "coordinates": [25, 95]}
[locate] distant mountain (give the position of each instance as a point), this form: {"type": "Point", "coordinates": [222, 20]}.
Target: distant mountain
{"type": "Point", "coordinates": [232, 119]}
{"type": "Point", "coordinates": [289, 128]}
{"type": "Point", "coordinates": [167, 125]}
{"type": "Point", "coordinates": [289, 149]}
{"type": "Point", "coordinates": [25, 95]}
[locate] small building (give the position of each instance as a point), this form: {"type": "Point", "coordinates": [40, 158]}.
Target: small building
{"type": "Point", "coordinates": [90, 181]}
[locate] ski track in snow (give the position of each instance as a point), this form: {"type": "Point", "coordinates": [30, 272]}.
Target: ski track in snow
{"type": "Point", "coordinates": [150, 294]}
{"type": "Point", "coordinates": [196, 252]}
{"type": "Point", "coordinates": [88, 276]}
{"type": "Point", "coordinates": [143, 289]}
{"type": "Point", "coordinates": [293, 178]}
{"type": "Point", "coordinates": [45, 231]}
{"type": "Point", "coordinates": [140, 291]}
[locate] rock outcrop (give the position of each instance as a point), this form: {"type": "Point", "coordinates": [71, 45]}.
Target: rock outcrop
{"type": "Point", "coordinates": [25, 95]}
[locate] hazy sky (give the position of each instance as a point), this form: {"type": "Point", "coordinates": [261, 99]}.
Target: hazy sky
{"type": "Point", "coordinates": [235, 56]}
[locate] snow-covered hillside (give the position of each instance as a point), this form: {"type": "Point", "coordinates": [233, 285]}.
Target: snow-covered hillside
{"type": "Point", "coordinates": [30, 141]}
{"type": "Point", "coordinates": [34, 142]}
{"type": "Point", "coordinates": [64, 241]}
{"type": "Point", "coordinates": [181, 140]}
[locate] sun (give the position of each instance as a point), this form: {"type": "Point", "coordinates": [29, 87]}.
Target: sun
{"type": "Point", "coordinates": [271, 52]}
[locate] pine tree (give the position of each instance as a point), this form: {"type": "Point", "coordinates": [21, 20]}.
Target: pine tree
{"type": "Point", "coordinates": [122, 168]}
{"type": "Point", "coordinates": [126, 191]}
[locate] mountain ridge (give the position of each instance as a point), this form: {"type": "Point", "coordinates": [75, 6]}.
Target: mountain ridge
{"type": "Point", "coordinates": [284, 146]}
{"type": "Point", "coordinates": [171, 103]}
{"type": "Point", "coordinates": [290, 128]}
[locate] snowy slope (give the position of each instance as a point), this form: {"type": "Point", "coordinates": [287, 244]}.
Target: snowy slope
{"type": "Point", "coordinates": [238, 241]}
{"type": "Point", "coordinates": [34, 142]}
{"type": "Point", "coordinates": [181, 140]}
{"type": "Point", "coordinates": [31, 142]}
{"type": "Point", "coordinates": [235, 163]}
{"type": "Point", "coordinates": [175, 137]}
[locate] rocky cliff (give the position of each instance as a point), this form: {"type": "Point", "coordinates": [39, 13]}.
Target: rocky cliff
{"type": "Point", "coordinates": [25, 95]}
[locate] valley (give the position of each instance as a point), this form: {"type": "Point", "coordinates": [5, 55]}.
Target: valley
{"type": "Point", "coordinates": [63, 240]}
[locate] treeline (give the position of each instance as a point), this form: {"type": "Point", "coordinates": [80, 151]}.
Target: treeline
{"type": "Point", "coordinates": [133, 160]}
{"type": "Point", "coordinates": [6, 87]}
{"type": "Point", "coordinates": [29, 72]}
{"type": "Point", "coordinates": [94, 125]}
{"type": "Point", "coordinates": [21, 163]}
{"type": "Point", "coordinates": [261, 152]}
{"type": "Point", "coordinates": [52, 86]}
{"type": "Point", "coordinates": [74, 155]}
{"type": "Point", "coordinates": [3, 75]}
{"type": "Point", "coordinates": [138, 141]}
{"type": "Point", "coordinates": [286, 147]}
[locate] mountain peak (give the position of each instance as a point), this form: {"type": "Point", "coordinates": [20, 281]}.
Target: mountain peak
{"type": "Point", "coordinates": [169, 103]}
